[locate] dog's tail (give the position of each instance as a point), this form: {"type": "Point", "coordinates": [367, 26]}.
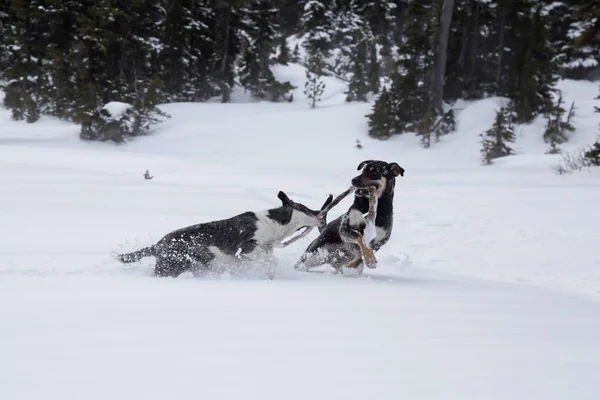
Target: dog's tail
{"type": "Point", "coordinates": [136, 255]}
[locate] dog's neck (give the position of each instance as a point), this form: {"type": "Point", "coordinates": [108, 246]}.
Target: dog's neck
{"type": "Point", "coordinates": [275, 224]}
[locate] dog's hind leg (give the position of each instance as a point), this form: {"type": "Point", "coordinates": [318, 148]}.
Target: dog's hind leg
{"type": "Point", "coordinates": [171, 265]}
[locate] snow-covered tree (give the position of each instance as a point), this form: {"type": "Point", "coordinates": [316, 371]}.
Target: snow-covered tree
{"type": "Point", "coordinates": [284, 55]}
{"type": "Point", "coordinates": [557, 127]}
{"type": "Point", "coordinates": [373, 69]}
{"type": "Point", "coordinates": [358, 86]}
{"type": "Point", "coordinates": [350, 32]}
{"type": "Point", "coordinates": [187, 45]}
{"type": "Point", "coordinates": [259, 29]}
{"type": "Point", "coordinates": [381, 120]}
{"type": "Point", "coordinates": [583, 32]}
{"type": "Point", "coordinates": [317, 24]}
{"type": "Point", "coordinates": [296, 54]}
{"type": "Point", "coordinates": [495, 140]}
{"type": "Point", "coordinates": [5, 33]}
{"type": "Point", "coordinates": [313, 88]}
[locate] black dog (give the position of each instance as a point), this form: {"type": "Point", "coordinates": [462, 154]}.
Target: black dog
{"type": "Point", "coordinates": [250, 235]}
{"type": "Point", "coordinates": [340, 243]}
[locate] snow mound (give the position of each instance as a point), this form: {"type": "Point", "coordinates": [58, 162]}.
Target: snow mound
{"type": "Point", "coordinates": [116, 108]}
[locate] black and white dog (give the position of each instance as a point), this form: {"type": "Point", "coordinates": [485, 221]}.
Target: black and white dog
{"type": "Point", "coordinates": [250, 236]}
{"type": "Point", "coordinates": [342, 242]}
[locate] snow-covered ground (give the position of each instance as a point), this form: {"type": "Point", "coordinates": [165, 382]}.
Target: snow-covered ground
{"type": "Point", "coordinates": [488, 289]}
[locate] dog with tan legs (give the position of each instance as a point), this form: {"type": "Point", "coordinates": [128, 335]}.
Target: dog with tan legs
{"type": "Point", "coordinates": [352, 239]}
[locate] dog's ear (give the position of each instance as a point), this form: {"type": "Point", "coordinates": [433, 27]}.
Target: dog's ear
{"type": "Point", "coordinates": [396, 169]}
{"type": "Point", "coordinates": [362, 164]}
{"type": "Point", "coordinates": [283, 197]}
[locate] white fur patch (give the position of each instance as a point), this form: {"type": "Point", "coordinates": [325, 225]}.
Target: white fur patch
{"type": "Point", "coordinates": [380, 234]}
{"type": "Point", "coordinates": [370, 233]}
{"type": "Point", "coordinates": [270, 231]}
{"type": "Point", "coordinates": [355, 217]}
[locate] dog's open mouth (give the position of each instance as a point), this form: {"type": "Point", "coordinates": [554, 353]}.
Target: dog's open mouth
{"type": "Point", "coordinates": [363, 191]}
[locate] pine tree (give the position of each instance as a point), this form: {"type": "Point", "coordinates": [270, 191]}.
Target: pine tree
{"type": "Point", "coordinates": [494, 143]}
{"type": "Point", "coordinates": [258, 42]}
{"type": "Point", "coordinates": [313, 88]}
{"type": "Point", "coordinates": [383, 19]}
{"type": "Point", "coordinates": [188, 44]}
{"type": "Point", "coordinates": [317, 24]}
{"type": "Point", "coordinates": [358, 87]}
{"type": "Point", "coordinates": [284, 57]}
{"type": "Point", "coordinates": [228, 19]}
{"type": "Point", "coordinates": [381, 120]}
{"type": "Point", "coordinates": [593, 155]}
{"type": "Point", "coordinates": [535, 80]}
{"type": "Point", "coordinates": [477, 34]}
{"type": "Point", "coordinates": [296, 54]}
{"type": "Point", "coordinates": [424, 128]}
{"type": "Point", "coordinates": [559, 14]}
{"type": "Point", "coordinates": [410, 90]}
{"type": "Point", "coordinates": [349, 33]}
{"type": "Point", "coordinates": [585, 38]}
{"type": "Point", "coordinates": [373, 70]}
{"type": "Point", "coordinates": [5, 33]}
{"type": "Point", "coordinates": [557, 129]}
{"type": "Point", "coordinates": [290, 12]}
{"type": "Point", "coordinates": [27, 90]}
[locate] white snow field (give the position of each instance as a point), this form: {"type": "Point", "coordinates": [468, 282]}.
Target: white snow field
{"type": "Point", "coordinates": [488, 289]}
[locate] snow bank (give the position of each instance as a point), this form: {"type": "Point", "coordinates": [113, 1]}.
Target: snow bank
{"type": "Point", "coordinates": [116, 108]}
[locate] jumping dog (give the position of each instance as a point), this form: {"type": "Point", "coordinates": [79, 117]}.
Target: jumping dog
{"type": "Point", "coordinates": [341, 243]}
{"type": "Point", "coordinates": [249, 235]}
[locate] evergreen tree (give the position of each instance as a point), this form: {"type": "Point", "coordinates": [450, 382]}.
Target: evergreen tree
{"type": "Point", "coordinates": [373, 69]}
{"type": "Point", "coordinates": [188, 44]}
{"type": "Point", "coordinates": [5, 33]}
{"type": "Point", "coordinates": [313, 88]}
{"type": "Point", "coordinates": [28, 78]}
{"type": "Point", "coordinates": [477, 34]}
{"type": "Point", "coordinates": [557, 129]}
{"type": "Point", "coordinates": [424, 128]}
{"type": "Point", "coordinates": [585, 38]}
{"type": "Point", "coordinates": [559, 14]}
{"type": "Point", "coordinates": [349, 33]}
{"type": "Point", "coordinates": [258, 42]}
{"type": "Point", "coordinates": [592, 156]}
{"type": "Point", "coordinates": [358, 87]}
{"type": "Point", "coordinates": [290, 12]}
{"type": "Point", "coordinates": [317, 23]}
{"type": "Point", "coordinates": [381, 120]}
{"type": "Point", "coordinates": [296, 54]}
{"type": "Point", "coordinates": [384, 20]}
{"type": "Point", "coordinates": [285, 56]}
{"type": "Point", "coordinates": [532, 89]}
{"type": "Point", "coordinates": [494, 143]}
{"type": "Point", "coordinates": [411, 97]}
{"type": "Point", "coordinates": [228, 21]}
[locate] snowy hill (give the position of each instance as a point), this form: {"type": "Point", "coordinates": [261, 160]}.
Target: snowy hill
{"type": "Point", "coordinates": [488, 288]}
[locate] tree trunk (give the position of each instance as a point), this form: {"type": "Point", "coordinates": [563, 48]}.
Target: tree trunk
{"type": "Point", "coordinates": [437, 87]}
{"type": "Point", "coordinates": [500, 50]}
{"type": "Point", "coordinates": [225, 95]}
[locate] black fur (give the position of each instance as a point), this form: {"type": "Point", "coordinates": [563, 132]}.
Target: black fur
{"type": "Point", "coordinates": [188, 248]}
{"type": "Point", "coordinates": [329, 247]}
